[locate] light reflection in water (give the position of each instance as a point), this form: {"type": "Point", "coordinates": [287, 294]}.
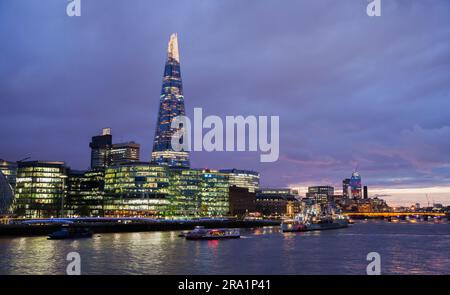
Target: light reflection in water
{"type": "Point", "coordinates": [405, 248]}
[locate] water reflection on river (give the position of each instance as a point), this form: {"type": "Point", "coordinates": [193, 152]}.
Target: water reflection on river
{"type": "Point", "coordinates": [421, 248]}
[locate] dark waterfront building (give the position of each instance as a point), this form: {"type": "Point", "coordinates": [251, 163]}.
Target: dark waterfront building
{"type": "Point", "coordinates": [100, 149]}
{"type": "Point", "coordinates": [242, 201]}
{"type": "Point", "coordinates": [171, 106]}
{"type": "Point", "coordinates": [9, 170]}
{"type": "Point", "coordinates": [320, 194]}
{"type": "Point", "coordinates": [243, 178]}
{"type": "Point", "coordinates": [124, 152]}
{"type": "Point", "coordinates": [40, 189]}
{"type": "Point", "coordinates": [277, 202]}
{"type": "Point", "coordinates": [85, 193]}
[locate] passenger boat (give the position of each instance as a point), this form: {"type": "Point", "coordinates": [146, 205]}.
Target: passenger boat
{"type": "Point", "coordinates": [70, 233]}
{"type": "Point", "coordinates": [201, 233]}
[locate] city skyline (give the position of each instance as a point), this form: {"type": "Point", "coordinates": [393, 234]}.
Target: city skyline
{"type": "Point", "coordinates": [58, 109]}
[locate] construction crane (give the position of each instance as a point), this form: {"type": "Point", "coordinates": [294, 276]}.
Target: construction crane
{"type": "Point", "coordinates": [24, 159]}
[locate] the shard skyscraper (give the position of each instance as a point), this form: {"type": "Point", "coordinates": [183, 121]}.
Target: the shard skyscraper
{"type": "Point", "coordinates": [171, 106]}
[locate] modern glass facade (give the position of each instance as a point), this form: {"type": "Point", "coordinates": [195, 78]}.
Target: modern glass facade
{"type": "Point", "coordinates": [185, 192]}
{"type": "Point", "coordinates": [136, 189]}
{"type": "Point", "coordinates": [214, 193]}
{"type": "Point", "coordinates": [124, 152]}
{"type": "Point", "coordinates": [355, 185]}
{"type": "Point", "coordinates": [9, 170]}
{"type": "Point", "coordinates": [321, 194]}
{"type": "Point", "coordinates": [85, 193]}
{"type": "Point", "coordinates": [171, 106]}
{"type": "Point", "coordinates": [345, 188]}
{"type": "Point", "coordinates": [6, 196]}
{"type": "Point", "coordinates": [243, 178]}
{"type": "Point", "coordinates": [40, 189]}
{"type": "Point", "coordinates": [144, 189]}
{"type": "Point", "coordinates": [100, 149]}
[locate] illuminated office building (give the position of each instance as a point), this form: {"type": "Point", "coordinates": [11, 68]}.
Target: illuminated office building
{"type": "Point", "coordinates": [9, 170]}
{"type": "Point", "coordinates": [136, 189]}
{"type": "Point", "coordinates": [124, 152]}
{"type": "Point", "coordinates": [40, 189]}
{"type": "Point", "coordinates": [243, 178]}
{"type": "Point", "coordinates": [185, 192]}
{"type": "Point", "coordinates": [320, 194]}
{"type": "Point", "coordinates": [214, 193]}
{"type": "Point", "coordinates": [171, 106]}
{"type": "Point", "coordinates": [197, 192]}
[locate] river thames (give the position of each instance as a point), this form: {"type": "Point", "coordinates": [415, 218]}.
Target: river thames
{"type": "Point", "coordinates": [405, 248]}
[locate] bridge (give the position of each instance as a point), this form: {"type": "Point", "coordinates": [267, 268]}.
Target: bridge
{"type": "Point", "coordinates": [393, 214]}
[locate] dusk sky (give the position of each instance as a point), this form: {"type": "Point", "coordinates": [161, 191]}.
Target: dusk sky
{"type": "Point", "coordinates": [352, 91]}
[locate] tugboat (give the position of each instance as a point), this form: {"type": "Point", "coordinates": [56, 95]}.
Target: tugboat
{"type": "Point", "coordinates": [200, 233]}
{"type": "Point", "coordinates": [312, 219]}
{"type": "Point", "coordinates": [70, 233]}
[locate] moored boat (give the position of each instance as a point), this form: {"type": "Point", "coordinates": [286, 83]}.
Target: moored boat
{"type": "Point", "coordinates": [315, 217]}
{"type": "Point", "coordinates": [71, 233]}
{"type": "Point", "coordinates": [303, 226]}
{"type": "Point", "coordinates": [201, 233]}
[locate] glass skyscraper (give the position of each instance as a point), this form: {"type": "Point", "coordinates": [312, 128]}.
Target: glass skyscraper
{"type": "Point", "coordinates": [355, 185]}
{"type": "Point", "coordinates": [171, 106]}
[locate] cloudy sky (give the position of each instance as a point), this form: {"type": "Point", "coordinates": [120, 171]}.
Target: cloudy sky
{"type": "Point", "coordinates": [351, 91]}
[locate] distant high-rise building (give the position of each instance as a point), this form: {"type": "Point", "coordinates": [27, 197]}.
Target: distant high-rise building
{"type": "Point", "coordinates": [171, 106]}
{"type": "Point", "coordinates": [100, 149]}
{"type": "Point", "coordinates": [345, 188]}
{"type": "Point", "coordinates": [321, 194]}
{"type": "Point", "coordinates": [243, 178]}
{"type": "Point", "coordinates": [124, 153]}
{"type": "Point", "coordinates": [366, 192]}
{"type": "Point", "coordinates": [355, 185]}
